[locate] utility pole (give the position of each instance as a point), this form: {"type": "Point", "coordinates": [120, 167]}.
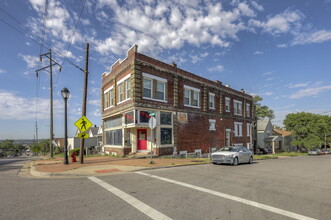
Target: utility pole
{"type": "Point", "coordinates": [255, 129]}
{"type": "Point", "coordinates": [51, 64]}
{"type": "Point", "coordinates": [82, 140]}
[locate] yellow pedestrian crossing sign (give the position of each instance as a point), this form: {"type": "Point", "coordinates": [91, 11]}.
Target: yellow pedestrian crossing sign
{"type": "Point", "coordinates": [83, 124]}
{"type": "Point", "coordinates": [83, 135]}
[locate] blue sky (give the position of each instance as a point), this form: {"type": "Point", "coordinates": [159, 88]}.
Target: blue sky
{"type": "Point", "coordinates": [279, 50]}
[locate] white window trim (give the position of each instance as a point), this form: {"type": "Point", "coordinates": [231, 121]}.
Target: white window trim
{"type": "Point", "coordinates": [158, 100]}
{"type": "Point", "coordinates": [212, 94]}
{"type": "Point", "coordinates": [154, 77]}
{"type": "Point", "coordinates": [212, 121]}
{"type": "Point", "coordinates": [248, 131]}
{"type": "Point", "coordinates": [123, 101]}
{"type": "Point", "coordinates": [240, 132]}
{"type": "Point", "coordinates": [123, 79]}
{"type": "Point", "coordinates": [107, 90]}
{"type": "Point", "coordinates": [164, 90]}
{"type": "Point", "coordinates": [191, 88]}
{"type": "Point", "coordinates": [234, 104]}
{"type": "Point", "coordinates": [126, 90]}
{"type": "Point", "coordinates": [228, 99]}
{"type": "Point", "coordinates": [248, 107]}
{"type": "Point", "coordinates": [148, 88]}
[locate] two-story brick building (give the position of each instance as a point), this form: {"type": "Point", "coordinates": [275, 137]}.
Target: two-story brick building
{"type": "Point", "coordinates": [192, 113]}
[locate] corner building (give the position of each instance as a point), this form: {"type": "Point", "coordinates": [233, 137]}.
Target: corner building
{"type": "Point", "coordinates": [193, 114]}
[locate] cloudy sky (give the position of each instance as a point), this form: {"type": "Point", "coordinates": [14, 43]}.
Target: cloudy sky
{"type": "Point", "coordinates": [279, 50]}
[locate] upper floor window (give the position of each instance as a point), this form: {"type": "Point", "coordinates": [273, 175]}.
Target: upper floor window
{"type": "Point", "coordinates": [227, 104]}
{"type": "Point", "coordinates": [237, 105]}
{"type": "Point", "coordinates": [248, 129]}
{"type": "Point", "coordinates": [191, 96]}
{"type": "Point", "coordinates": [248, 110]}
{"type": "Point", "coordinates": [108, 98]}
{"type": "Point", "coordinates": [152, 83]}
{"type": "Point", "coordinates": [238, 129]}
{"type": "Point", "coordinates": [211, 100]}
{"type": "Point", "coordinates": [123, 88]}
{"type": "Point", "coordinates": [212, 125]}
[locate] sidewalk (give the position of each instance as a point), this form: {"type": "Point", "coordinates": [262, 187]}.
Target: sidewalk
{"type": "Point", "coordinates": [104, 165]}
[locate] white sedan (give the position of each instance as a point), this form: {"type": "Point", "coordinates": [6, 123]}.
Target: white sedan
{"type": "Point", "coordinates": [232, 155]}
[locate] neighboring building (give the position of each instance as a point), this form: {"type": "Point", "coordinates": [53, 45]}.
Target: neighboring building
{"type": "Point", "coordinates": [286, 139]}
{"type": "Point", "coordinates": [274, 139]}
{"type": "Point", "coordinates": [89, 143]}
{"type": "Point", "coordinates": [193, 114]}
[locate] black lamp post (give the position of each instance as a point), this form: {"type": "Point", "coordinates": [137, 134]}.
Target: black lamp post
{"type": "Point", "coordinates": [65, 95]}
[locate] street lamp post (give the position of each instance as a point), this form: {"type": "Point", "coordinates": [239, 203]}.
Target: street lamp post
{"type": "Point", "coordinates": [65, 95]}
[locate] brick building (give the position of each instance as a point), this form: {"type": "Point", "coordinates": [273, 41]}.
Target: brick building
{"type": "Point", "coordinates": [192, 113]}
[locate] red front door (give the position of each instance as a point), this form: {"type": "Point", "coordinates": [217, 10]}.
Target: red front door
{"type": "Point", "coordinates": [142, 139]}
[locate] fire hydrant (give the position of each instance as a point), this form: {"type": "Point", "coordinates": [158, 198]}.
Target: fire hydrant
{"type": "Point", "coordinates": [73, 157]}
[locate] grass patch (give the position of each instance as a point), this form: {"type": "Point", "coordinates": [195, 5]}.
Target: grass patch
{"type": "Point", "coordinates": [264, 157]}
{"type": "Point", "coordinates": [59, 155]}
{"type": "Point", "coordinates": [292, 154]}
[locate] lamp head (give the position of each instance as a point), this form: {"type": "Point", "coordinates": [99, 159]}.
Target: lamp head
{"type": "Point", "coordinates": [65, 93]}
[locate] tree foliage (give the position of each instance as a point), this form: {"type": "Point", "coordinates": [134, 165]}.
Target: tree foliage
{"type": "Point", "coordinates": [262, 111]}
{"type": "Point", "coordinates": [308, 129]}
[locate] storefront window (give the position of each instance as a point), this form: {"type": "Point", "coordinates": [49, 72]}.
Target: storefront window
{"type": "Point", "coordinates": [166, 136]}
{"type": "Point", "coordinates": [144, 117]}
{"type": "Point", "coordinates": [129, 117]}
{"type": "Point", "coordinates": [114, 137]}
{"type": "Point", "coordinates": [113, 122]}
{"type": "Point", "coordinates": [165, 118]}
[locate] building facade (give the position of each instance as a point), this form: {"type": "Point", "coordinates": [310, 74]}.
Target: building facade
{"type": "Point", "coordinates": [193, 114]}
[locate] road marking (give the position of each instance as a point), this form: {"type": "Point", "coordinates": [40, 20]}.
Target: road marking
{"type": "Point", "coordinates": [234, 198]}
{"type": "Point", "coordinates": [146, 209]}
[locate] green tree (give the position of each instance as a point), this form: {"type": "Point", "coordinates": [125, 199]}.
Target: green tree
{"type": "Point", "coordinates": [7, 144]}
{"type": "Point", "coordinates": [262, 111]}
{"type": "Point", "coordinates": [35, 148]}
{"type": "Point", "coordinates": [308, 129]}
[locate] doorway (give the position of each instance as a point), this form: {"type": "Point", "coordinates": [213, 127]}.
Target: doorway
{"type": "Point", "coordinates": [142, 139]}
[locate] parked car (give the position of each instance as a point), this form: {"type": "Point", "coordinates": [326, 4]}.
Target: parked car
{"type": "Point", "coordinates": [263, 150]}
{"type": "Point", "coordinates": [232, 155]}
{"type": "Point", "coordinates": [314, 151]}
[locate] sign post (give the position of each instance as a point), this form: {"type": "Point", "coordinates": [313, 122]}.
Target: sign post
{"type": "Point", "coordinates": [83, 124]}
{"type": "Point", "coordinates": [152, 125]}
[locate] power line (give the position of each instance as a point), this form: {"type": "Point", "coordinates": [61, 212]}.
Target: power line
{"type": "Point", "coordinates": [72, 37]}
{"type": "Point", "coordinates": [34, 40]}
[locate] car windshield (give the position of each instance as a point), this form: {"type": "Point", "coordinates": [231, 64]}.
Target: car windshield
{"type": "Point", "coordinates": [231, 149]}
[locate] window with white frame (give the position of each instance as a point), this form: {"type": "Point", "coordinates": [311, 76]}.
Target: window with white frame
{"type": "Point", "coordinates": [212, 125]}
{"type": "Point", "coordinates": [127, 89]}
{"type": "Point", "coordinates": [227, 104]}
{"type": "Point", "coordinates": [211, 100]}
{"type": "Point", "coordinates": [108, 98]}
{"type": "Point", "coordinates": [248, 110]}
{"type": "Point", "coordinates": [237, 106]}
{"type": "Point", "coordinates": [248, 129]}
{"type": "Point", "coordinates": [150, 83]}
{"type": "Point", "coordinates": [191, 96]}
{"type": "Point", "coordinates": [123, 88]}
{"type": "Point", "coordinates": [238, 129]}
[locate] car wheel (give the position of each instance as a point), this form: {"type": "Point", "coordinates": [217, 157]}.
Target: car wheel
{"type": "Point", "coordinates": [235, 161]}
{"type": "Point", "coordinates": [250, 160]}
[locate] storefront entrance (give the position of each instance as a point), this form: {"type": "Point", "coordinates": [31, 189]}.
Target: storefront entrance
{"type": "Point", "coordinates": [142, 139]}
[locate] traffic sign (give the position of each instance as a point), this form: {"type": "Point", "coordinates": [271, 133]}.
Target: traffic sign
{"type": "Point", "coordinates": [83, 135]}
{"type": "Point", "coordinates": [151, 113]}
{"type": "Point", "coordinates": [152, 123]}
{"type": "Point", "coordinates": [83, 124]}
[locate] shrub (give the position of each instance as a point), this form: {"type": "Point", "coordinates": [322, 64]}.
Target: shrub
{"type": "Point", "coordinates": [74, 150]}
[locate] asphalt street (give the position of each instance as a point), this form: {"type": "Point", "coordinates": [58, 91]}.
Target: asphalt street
{"type": "Point", "coordinates": [289, 188]}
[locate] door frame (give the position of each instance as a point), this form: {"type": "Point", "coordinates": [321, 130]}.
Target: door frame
{"type": "Point", "coordinates": [138, 141]}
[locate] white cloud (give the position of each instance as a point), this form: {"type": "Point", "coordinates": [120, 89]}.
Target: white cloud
{"type": "Point", "coordinates": [2, 71]}
{"type": "Point", "coordinates": [218, 68]}
{"type": "Point", "coordinates": [315, 37]}
{"type": "Point", "coordinates": [31, 61]}
{"type": "Point", "coordinates": [258, 52]}
{"type": "Point", "coordinates": [269, 79]}
{"type": "Point", "coordinates": [282, 45]}
{"type": "Point", "coordinates": [17, 107]}
{"type": "Point", "coordinates": [266, 73]}
{"type": "Point", "coordinates": [95, 102]}
{"type": "Point", "coordinates": [28, 43]}
{"type": "Point", "coordinates": [257, 6]}
{"type": "Point", "coordinates": [312, 91]}
{"type": "Point", "coordinates": [297, 85]}
{"type": "Point", "coordinates": [286, 22]}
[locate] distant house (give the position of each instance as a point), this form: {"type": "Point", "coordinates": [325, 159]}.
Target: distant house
{"type": "Point", "coordinates": [274, 139]}
{"type": "Point", "coordinates": [90, 143]}
{"type": "Point", "coordinates": [286, 138]}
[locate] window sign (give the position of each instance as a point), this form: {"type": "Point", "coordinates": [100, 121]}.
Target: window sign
{"type": "Point", "coordinates": [129, 117]}
{"type": "Point", "coordinates": [144, 117]}
{"type": "Point", "coordinates": [166, 136]}
{"type": "Point", "coordinates": [165, 118]}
